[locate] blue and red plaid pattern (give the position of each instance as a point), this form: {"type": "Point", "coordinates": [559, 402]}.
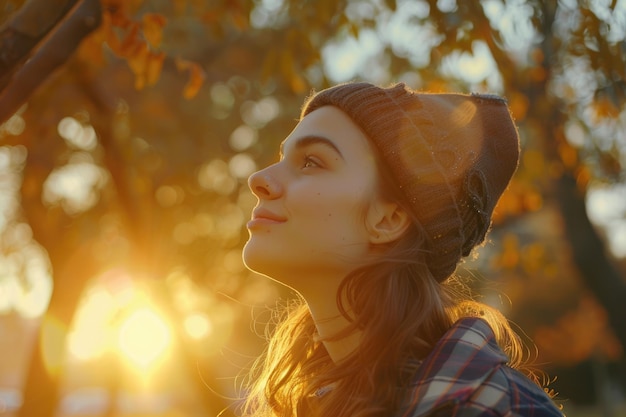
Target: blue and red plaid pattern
{"type": "Point", "coordinates": [466, 375]}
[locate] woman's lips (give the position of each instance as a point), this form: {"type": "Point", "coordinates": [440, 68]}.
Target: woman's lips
{"type": "Point", "coordinates": [264, 217]}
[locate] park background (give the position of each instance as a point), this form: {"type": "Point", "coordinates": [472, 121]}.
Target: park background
{"type": "Point", "coordinates": [129, 128]}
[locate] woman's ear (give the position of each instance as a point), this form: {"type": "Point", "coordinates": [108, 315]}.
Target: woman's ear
{"type": "Point", "coordinates": [386, 221]}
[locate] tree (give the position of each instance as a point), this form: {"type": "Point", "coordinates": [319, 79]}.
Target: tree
{"type": "Point", "coordinates": [136, 217]}
{"type": "Point", "coordinates": [185, 98]}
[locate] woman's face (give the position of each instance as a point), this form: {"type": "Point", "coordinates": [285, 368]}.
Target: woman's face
{"type": "Point", "coordinates": [310, 219]}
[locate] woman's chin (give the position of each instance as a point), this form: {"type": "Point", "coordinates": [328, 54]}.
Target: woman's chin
{"type": "Point", "coordinates": [257, 260]}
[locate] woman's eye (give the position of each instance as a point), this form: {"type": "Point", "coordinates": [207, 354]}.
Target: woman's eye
{"type": "Point", "coordinates": [310, 162]}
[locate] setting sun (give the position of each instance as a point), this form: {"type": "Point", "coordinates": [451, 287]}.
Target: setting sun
{"type": "Point", "coordinates": [119, 318]}
{"type": "Point", "coordinates": [144, 337]}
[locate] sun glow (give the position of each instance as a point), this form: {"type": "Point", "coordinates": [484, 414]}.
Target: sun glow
{"type": "Point", "coordinates": [144, 337]}
{"type": "Point", "coordinates": [91, 334]}
{"type": "Point", "coordinates": [123, 322]}
{"type": "Point", "coordinates": [198, 326]}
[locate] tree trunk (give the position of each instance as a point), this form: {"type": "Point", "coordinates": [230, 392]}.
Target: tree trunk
{"type": "Point", "coordinates": [72, 264]}
{"type": "Point", "coordinates": [590, 255]}
{"type": "Point", "coordinates": [41, 389]}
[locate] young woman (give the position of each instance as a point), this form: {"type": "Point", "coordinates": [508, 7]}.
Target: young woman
{"type": "Point", "coordinates": [378, 195]}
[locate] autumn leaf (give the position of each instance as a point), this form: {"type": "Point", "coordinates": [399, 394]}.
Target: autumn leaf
{"type": "Point", "coordinates": [298, 84]}
{"type": "Point", "coordinates": [604, 108]}
{"type": "Point", "coordinates": [509, 258]}
{"type": "Point", "coordinates": [152, 25]}
{"type": "Point", "coordinates": [109, 35]}
{"type": "Point", "coordinates": [154, 67]}
{"type": "Point", "coordinates": [131, 42]}
{"type": "Point", "coordinates": [138, 62]}
{"type": "Point", "coordinates": [583, 177]}
{"type": "Point", "coordinates": [118, 12]}
{"type": "Point", "coordinates": [568, 154]}
{"type": "Point", "coordinates": [196, 77]}
{"type": "Point", "coordinates": [239, 20]}
{"type": "Point", "coordinates": [519, 104]}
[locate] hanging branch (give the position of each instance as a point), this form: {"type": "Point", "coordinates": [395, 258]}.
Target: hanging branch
{"type": "Point", "coordinates": [36, 41]}
{"type": "Point", "coordinates": [25, 29]}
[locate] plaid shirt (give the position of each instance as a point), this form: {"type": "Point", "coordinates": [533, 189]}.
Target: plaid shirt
{"type": "Point", "coordinates": [466, 376]}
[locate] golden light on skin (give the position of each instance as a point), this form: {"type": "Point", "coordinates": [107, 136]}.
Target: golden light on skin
{"type": "Point", "coordinates": [144, 337]}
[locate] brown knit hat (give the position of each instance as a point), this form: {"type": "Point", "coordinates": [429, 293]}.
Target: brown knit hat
{"type": "Point", "coordinates": [452, 156]}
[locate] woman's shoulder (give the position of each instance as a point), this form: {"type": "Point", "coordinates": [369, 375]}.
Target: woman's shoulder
{"type": "Point", "coordinates": [467, 374]}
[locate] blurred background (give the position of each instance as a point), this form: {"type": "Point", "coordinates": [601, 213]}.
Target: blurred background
{"type": "Point", "coordinates": [129, 128]}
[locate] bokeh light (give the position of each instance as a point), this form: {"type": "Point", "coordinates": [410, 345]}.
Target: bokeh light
{"type": "Point", "coordinates": [606, 206]}
{"type": "Point", "coordinates": [77, 135]}
{"type": "Point", "coordinates": [242, 165]}
{"type": "Point", "coordinates": [75, 185]}
{"type": "Point", "coordinates": [198, 325]}
{"type": "Point", "coordinates": [144, 337]}
{"type": "Point", "coordinates": [93, 326]}
{"type": "Point", "coordinates": [243, 137]}
{"type": "Point", "coordinates": [215, 176]}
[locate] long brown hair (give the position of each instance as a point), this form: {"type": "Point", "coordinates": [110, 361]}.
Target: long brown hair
{"type": "Point", "coordinates": [401, 311]}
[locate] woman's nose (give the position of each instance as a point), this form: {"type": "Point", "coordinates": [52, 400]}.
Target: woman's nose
{"type": "Point", "coordinates": [264, 185]}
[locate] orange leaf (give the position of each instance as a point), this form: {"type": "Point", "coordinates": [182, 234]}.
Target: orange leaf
{"type": "Point", "coordinates": [240, 21]}
{"type": "Point", "coordinates": [196, 77]}
{"type": "Point", "coordinates": [152, 24]}
{"type": "Point", "coordinates": [138, 62]}
{"type": "Point", "coordinates": [604, 108]}
{"type": "Point", "coordinates": [118, 12]}
{"type": "Point", "coordinates": [138, 58]}
{"type": "Point", "coordinates": [568, 154]}
{"type": "Point", "coordinates": [298, 84]}
{"type": "Point", "coordinates": [583, 177]}
{"type": "Point", "coordinates": [154, 67]}
{"type": "Point", "coordinates": [519, 104]}
{"type": "Point", "coordinates": [182, 64]}
{"type": "Point", "coordinates": [110, 37]}
{"type": "Point", "coordinates": [90, 50]}
{"type": "Point", "coordinates": [131, 41]}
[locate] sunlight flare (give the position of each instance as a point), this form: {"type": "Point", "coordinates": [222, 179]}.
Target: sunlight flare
{"type": "Point", "coordinates": [198, 326]}
{"type": "Point", "coordinates": [144, 337]}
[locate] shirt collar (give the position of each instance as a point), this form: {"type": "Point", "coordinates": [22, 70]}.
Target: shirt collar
{"type": "Point", "coordinates": [459, 363]}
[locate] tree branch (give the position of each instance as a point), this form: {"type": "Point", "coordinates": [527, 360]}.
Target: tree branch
{"type": "Point", "coordinates": [54, 50]}
{"type": "Point", "coordinates": [25, 29]}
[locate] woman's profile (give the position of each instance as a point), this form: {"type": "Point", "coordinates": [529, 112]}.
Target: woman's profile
{"type": "Point", "coordinates": [378, 195]}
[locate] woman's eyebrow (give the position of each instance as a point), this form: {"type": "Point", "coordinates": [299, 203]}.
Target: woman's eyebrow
{"type": "Point", "coordinates": [309, 140]}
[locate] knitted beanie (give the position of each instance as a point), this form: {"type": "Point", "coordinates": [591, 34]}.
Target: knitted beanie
{"type": "Point", "coordinates": [452, 155]}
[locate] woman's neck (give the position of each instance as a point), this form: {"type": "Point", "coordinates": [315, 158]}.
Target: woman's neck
{"type": "Point", "coordinates": [330, 322]}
